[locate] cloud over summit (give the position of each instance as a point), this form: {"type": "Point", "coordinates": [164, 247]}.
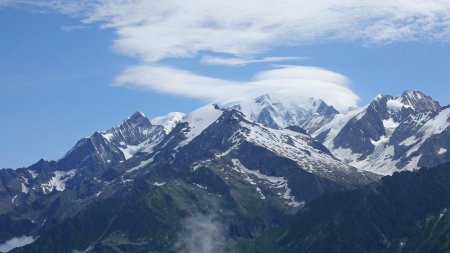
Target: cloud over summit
{"type": "Point", "coordinates": [286, 81]}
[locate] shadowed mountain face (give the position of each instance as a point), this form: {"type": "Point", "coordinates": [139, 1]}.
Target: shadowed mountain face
{"type": "Point", "coordinates": [407, 212]}
{"type": "Point", "coordinates": [144, 185]}
{"type": "Point", "coordinates": [380, 119]}
{"type": "Point", "coordinates": [117, 144]}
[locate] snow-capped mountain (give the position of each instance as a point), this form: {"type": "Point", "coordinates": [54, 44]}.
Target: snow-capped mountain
{"type": "Point", "coordinates": [212, 155]}
{"type": "Point", "coordinates": [103, 149]}
{"type": "Point", "coordinates": [231, 131]}
{"type": "Point", "coordinates": [169, 121]}
{"type": "Point", "coordinates": [383, 137]}
{"type": "Point", "coordinates": [390, 134]}
{"type": "Point", "coordinates": [279, 113]}
{"type": "Point", "coordinates": [419, 101]}
{"type": "Point", "coordinates": [267, 155]}
{"type": "Point", "coordinates": [90, 157]}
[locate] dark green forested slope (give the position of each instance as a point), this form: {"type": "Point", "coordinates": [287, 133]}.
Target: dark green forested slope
{"type": "Point", "coordinates": [407, 212]}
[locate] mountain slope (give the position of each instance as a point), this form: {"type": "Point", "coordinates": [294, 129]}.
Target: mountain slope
{"type": "Point", "coordinates": [408, 212]}
{"type": "Point", "coordinates": [114, 145]}
{"type": "Point", "coordinates": [44, 193]}
{"type": "Point", "coordinates": [390, 134]}
{"type": "Point", "coordinates": [230, 130]}
{"type": "Point", "coordinates": [279, 113]}
{"type": "Point", "coordinates": [215, 163]}
{"type": "Point", "coordinates": [169, 121]}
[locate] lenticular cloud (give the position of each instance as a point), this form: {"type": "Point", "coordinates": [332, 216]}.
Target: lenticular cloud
{"type": "Point", "coordinates": [287, 81]}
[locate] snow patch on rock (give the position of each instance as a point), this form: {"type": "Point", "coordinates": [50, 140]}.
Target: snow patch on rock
{"type": "Point", "coordinates": [273, 182]}
{"type": "Point", "coordinates": [33, 174]}
{"type": "Point", "coordinates": [169, 121]}
{"type": "Point", "coordinates": [58, 181]}
{"type": "Point", "coordinates": [25, 189]}
{"type": "Point", "coordinates": [199, 120]}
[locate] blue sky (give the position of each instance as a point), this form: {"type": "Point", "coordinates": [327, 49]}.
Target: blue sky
{"type": "Point", "coordinates": [62, 77]}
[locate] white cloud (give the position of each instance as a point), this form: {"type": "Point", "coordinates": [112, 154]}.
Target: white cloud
{"type": "Point", "coordinates": [201, 234]}
{"type": "Point", "coordinates": [237, 62]}
{"type": "Point", "coordinates": [16, 242]}
{"type": "Point", "coordinates": [242, 30]}
{"type": "Point", "coordinates": [286, 81]}
{"type": "Point", "coordinates": [158, 29]}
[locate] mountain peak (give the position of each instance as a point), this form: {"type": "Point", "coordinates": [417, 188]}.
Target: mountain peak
{"type": "Point", "coordinates": [263, 99]}
{"type": "Point", "coordinates": [379, 96]}
{"type": "Point", "coordinates": [199, 120]}
{"type": "Point", "coordinates": [138, 119]}
{"type": "Point", "coordinates": [325, 109]}
{"type": "Point", "coordinates": [137, 115]}
{"type": "Point", "coordinates": [412, 93]}
{"type": "Point", "coordinates": [282, 111]}
{"type": "Point", "coordinates": [168, 121]}
{"type": "Point", "coordinates": [415, 100]}
{"type": "Point", "coordinates": [419, 101]}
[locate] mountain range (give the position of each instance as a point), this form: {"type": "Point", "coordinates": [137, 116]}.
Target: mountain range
{"type": "Point", "coordinates": [288, 173]}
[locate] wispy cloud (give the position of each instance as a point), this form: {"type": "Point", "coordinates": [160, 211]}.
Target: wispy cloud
{"type": "Point", "coordinates": [154, 30]}
{"type": "Point", "coordinates": [286, 81]}
{"type": "Point", "coordinates": [238, 62]}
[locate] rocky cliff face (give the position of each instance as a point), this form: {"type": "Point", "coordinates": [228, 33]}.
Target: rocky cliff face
{"type": "Point", "coordinates": [390, 134]}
